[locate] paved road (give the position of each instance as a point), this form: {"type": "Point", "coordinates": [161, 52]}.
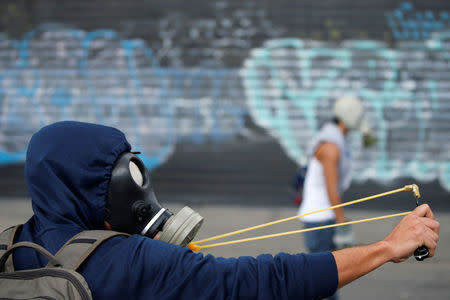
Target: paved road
{"type": "Point", "coordinates": [409, 280]}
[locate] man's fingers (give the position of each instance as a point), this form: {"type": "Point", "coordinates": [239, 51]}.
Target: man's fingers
{"type": "Point", "coordinates": [432, 224]}
{"type": "Point", "coordinates": [431, 246]}
{"type": "Point", "coordinates": [432, 235]}
{"type": "Point", "coordinates": [430, 241]}
{"type": "Point", "coordinates": [415, 230]}
{"type": "Point", "coordinates": [423, 211]}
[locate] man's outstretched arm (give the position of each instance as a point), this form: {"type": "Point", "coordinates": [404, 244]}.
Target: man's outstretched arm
{"type": "Point", "coordinates": [416, 229]}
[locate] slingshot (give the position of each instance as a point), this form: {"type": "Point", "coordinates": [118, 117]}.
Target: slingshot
{"type": "Point", "coordinates": [420, 254]}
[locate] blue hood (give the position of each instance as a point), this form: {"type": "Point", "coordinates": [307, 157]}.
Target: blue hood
{"type": "Point", "coordinates": [67, 170]}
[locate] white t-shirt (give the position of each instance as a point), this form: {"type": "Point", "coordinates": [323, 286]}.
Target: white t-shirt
{"type": "Point", "coordinates": [315, 196]}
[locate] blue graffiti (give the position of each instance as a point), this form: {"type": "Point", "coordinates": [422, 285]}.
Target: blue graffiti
{"type": "Point", "coordinates": [63, 73]}
{"type": "Point", "coordinates": [408, 24]}
{"type": "Point", "coordinates": [55, 73]}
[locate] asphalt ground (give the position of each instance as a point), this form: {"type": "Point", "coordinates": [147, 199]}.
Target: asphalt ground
{"type": "Point", "coordinates": [429, 279]}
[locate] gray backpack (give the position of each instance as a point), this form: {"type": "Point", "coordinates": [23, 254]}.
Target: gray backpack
{"type": "Point", "coordinates": [59, 279]}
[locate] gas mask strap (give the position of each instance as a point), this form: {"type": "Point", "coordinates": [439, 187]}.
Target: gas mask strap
{"type": "Point", "coordinates": [152, 221]}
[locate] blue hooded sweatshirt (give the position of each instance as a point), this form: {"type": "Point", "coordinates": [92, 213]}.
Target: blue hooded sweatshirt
{"type": "Point", "coordinates": [67, 170]}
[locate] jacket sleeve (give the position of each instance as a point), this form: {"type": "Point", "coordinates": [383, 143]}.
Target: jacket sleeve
{"type": "Point", "coordinates": [183, 274]}
{"type": "Point", "coordinates": [148, 269]}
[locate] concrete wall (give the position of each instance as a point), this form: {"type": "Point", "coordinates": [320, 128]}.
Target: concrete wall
{"type": "Point", "coordinates": [215, 74]}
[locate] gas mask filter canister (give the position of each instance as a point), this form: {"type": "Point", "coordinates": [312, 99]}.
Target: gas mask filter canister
{"type": "Point", "coordinates": [132, 206]}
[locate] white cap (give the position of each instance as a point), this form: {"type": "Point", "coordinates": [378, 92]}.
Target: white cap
{"type": "Point", "coordinates": [350, 111]}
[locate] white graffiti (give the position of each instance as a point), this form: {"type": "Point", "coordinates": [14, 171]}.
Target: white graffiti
{"type": "Point", "coordinates": [290, 85]}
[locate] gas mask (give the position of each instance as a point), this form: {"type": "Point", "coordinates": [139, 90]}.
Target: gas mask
{"type": "Point", "coordinates": [132, 206]}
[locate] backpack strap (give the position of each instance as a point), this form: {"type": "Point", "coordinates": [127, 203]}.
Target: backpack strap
{"type": "Point", "coordinates": [31, 245]}
{"type": "Point", "coordinates": [6, 241]}
{"type": "Point", "coordinates": [79, 247]}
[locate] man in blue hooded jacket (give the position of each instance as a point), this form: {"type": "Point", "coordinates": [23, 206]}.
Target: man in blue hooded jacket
{"type": "Point", "coordinates": [69, 173]}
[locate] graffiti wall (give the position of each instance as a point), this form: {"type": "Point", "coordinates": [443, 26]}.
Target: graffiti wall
{"type": "Point", "coordinates": [404, 89]}
{"type": "Point", "coordinates": [56, 73]}
{"type": "Point", "coordinates": [168, 74]}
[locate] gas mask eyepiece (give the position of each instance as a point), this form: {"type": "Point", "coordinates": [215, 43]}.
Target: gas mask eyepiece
{"type": "Point", "coordinates": [132, 206]}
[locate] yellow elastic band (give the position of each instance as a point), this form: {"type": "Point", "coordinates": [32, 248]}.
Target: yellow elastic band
{"type": "Point", "coordinates": [299, 216]}
{"type": "Point", "coordinates": [195, 247]}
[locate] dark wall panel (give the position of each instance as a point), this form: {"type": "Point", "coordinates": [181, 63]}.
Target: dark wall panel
{"type": "Point", "coordinates": [222, 97]}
